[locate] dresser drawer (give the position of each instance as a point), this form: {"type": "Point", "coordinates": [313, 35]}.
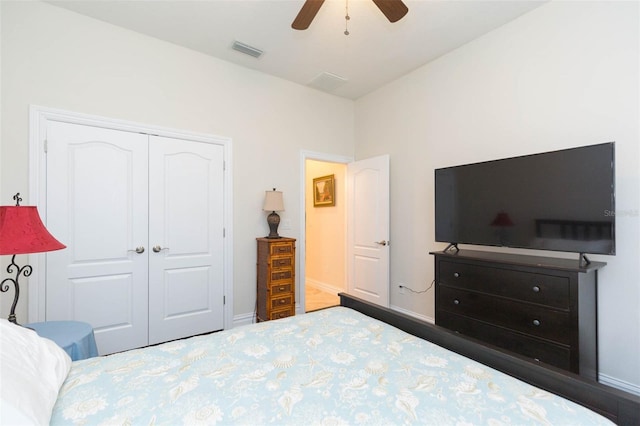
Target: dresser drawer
{"type": "Point", "coordinates": [550, 324]}
{"type": "Point", "coordinates": [281, 262]}
{"type": "Point", "coordinates": [285, 274]}
{"type": "Point", "coordinates": [549, 353]}
{"type": "Point", "coordinates": [281, 314]}
{"type": "Point", "coordinates": [550, 290]}
{"type": "Point", "coordinates": [281, 248]}
{"type": "Point", "coordinates": [281, 301]}
{"type": "Point", "coordinates": [279, 289]}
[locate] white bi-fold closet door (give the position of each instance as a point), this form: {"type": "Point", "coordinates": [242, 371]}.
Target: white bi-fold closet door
{"type": "Point", "coordinates": [142, 218]}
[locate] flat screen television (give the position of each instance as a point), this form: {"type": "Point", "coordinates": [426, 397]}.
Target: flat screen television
{"type": "Point", "coordinates": [561, 201]}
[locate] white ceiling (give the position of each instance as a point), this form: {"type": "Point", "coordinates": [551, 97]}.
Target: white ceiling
{"type": "Point", "coordinates": [373, 54]}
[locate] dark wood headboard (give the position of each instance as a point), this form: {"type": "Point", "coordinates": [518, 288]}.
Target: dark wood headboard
{"type": "Point", "coordinates": [620, 407]}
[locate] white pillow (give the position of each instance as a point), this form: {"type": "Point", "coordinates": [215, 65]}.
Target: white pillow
{"type": "Point", "coordinates": [32, 369]}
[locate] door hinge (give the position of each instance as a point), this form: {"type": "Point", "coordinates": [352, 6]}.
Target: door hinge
{"type": "Point", "coordinates": [224, 300]}
{"type": "Point", "coordinates": [46, 146]}
{"type": "Point", "coordinates": [224, 232]}
{"type": "Point", "coordinates": [224, 166]}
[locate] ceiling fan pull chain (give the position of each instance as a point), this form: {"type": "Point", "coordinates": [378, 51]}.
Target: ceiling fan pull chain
{"type": "Point", "coordinates": [346, 18]}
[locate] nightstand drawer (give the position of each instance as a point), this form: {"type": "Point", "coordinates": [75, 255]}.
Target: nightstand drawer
{"type": "Point", "coordinates": [281, 248]}
{"type": "Point", "coordinates": [281, 314]}
{"type": "Point", "coordinates": [279, 289]}
{"type": "Point", "coordinates": [282, 301]}
{"type": "Point", "coordinates": [281, 262]}
{"type": "Point", "coordinates": [549, 324]}
{"type": "Point", "coordinates": [281, 275]}
{"type": "Point", "coordinates": [538, 288]}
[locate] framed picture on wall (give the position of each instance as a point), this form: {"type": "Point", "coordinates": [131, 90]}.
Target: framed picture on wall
{"type": "Point", "coordinates": [324, 194]}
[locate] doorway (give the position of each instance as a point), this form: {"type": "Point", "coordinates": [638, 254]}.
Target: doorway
{"type": "Point", "coordinates": [364, 193]}
{"type": "Point", "coordinates": [325, 226]}
{"type": "Point", "coordinates": [323, 239]}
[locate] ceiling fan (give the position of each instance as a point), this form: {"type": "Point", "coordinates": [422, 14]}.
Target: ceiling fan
{"type": "Point", "coordinates": [394, 10]}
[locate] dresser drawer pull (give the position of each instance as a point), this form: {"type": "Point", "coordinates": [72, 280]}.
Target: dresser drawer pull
{"type": "Point", "coordinates": [536, 289]}
{"type": "Point", "coordinates": [456, 274]}
{"type": "Point", "coordinates": [283, 301]}
{"type": "Point", "coordinates": [536, 322]}
{"type": "Point", "coordinates": [456, 302]}
{"type": "Point", "coordinates": [282, 288]}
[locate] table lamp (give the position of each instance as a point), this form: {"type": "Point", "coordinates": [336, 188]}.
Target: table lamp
{"type": "Point", "coordinates": [273, 202]}
{"type": "Point", "coordinates": [22, 232]}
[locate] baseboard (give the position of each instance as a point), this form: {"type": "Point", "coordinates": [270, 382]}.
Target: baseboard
{"type": "Point", "coordinates": [619, 384]}
{"type": "Point", "coordinates": [413, 314]}
{"type": "Point", "coordinates": [310, 282]}
{"type": "Point", "coordinates": [244, 319]}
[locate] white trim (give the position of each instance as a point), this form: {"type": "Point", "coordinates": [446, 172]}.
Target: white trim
{"type": "Point", "coordinates": [619, 384]}
{"type": "Point", "coordinates": [413, 314]}
{"type": "Point", "coordinates": [322, 286]}
{"type": "Point", "coordinates": [301, 246]}
{"type": "Point", "coordinates": [38, 118]}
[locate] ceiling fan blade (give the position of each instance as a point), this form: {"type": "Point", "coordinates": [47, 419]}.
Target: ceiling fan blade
{"type": "Point", "coordinates": [306, 14]}
{"type": "Point", "coordinates": [394, 10]}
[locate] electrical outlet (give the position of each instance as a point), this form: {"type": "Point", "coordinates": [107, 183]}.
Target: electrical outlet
{"type": "Point", "coordinates": [401, 286]}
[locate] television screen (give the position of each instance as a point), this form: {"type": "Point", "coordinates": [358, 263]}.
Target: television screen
{"type": "Point", "coordinates": [561, 200]}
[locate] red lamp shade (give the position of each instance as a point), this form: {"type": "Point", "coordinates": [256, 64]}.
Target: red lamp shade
{"type": "Point", "coordinates": [22, 231]}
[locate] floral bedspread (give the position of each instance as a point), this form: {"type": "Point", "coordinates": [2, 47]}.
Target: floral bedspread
{"type": "Point", "coordinates": [334, 366]}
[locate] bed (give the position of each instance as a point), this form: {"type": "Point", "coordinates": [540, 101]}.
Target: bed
{"type": "Point", "coordinates": [343, 365]}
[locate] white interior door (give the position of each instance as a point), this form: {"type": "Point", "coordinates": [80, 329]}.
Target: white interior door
{"type": "Point", "coordinates": [97, 184]}
{"type": "Point", "coordinates": [368, 229]}
{"type": "Point", "coordinates": [185, 238]}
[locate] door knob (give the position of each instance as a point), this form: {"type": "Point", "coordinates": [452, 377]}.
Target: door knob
{"type": "Point", "coordinates": [158, 249]}
{"type": "Point", "coordinates": [138, 250]}
{"type": "Point", "coordinates": [382, 243]}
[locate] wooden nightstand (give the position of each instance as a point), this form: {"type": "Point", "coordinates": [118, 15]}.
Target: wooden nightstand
{"type": "Point", "coordinates": [276, 278]}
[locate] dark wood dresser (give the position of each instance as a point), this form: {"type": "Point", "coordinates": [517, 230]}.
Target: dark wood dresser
{"type": "Point", "coordinates": [539, 307]}
{"type": "Point", "coordinates": [276, 278]}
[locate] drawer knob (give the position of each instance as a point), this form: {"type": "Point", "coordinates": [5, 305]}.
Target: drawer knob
{"type": "Point", "coordinates": [536, 289]}
{"type": "Point", "coordinates": [456, 302]}
{"type": "Point", "coordinates": [456, 274]}
{"type": "Point", "coordinates": [281, 288]}
{"type": "Point", "coordinates": [282, 302]}
{"type": "Point", "coordinates": [536, 322]}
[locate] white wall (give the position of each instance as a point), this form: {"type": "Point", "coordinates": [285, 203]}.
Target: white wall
{"type": "Point", "coordinates": [563, 75]}
{"type": "Point", "coordinates": [58, 59]}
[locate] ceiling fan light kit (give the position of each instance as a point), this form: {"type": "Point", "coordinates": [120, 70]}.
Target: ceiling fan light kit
{"type": "Point", "coordinates": [394, 10]}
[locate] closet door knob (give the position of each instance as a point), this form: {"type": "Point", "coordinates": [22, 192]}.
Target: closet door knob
{"type": "Point", "coordinates": [158, 249]}
{"type": "Point", "coordinates": [138, 250]}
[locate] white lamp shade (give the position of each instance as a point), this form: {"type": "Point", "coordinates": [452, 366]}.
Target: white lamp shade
{"type": "Point", "coordinates": [273, 201]}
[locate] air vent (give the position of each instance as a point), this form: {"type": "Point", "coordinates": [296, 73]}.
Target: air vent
{"type": "Point", "coordinates": [327, 81]}
{"type": "Point", "coordinates": [246, 49]}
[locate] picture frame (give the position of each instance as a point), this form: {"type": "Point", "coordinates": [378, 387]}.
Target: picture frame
{"type": "Point", "coordinates": [324, 191]}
